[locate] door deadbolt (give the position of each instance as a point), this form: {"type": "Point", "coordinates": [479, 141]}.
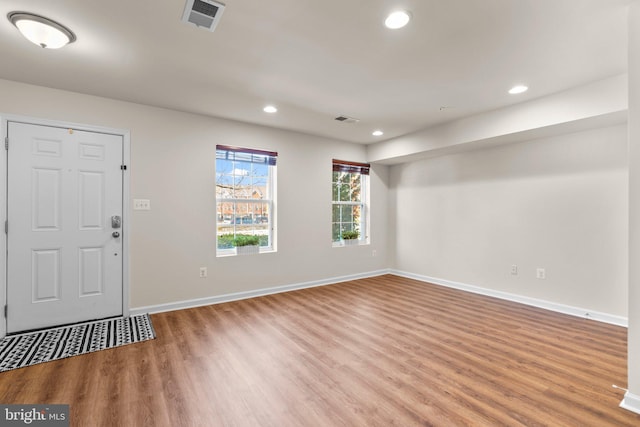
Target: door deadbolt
{"type": "Point", "coordinates": [115, 234]}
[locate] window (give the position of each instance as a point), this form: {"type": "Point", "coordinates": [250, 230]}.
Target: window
{"type": "Point", "coordinates": [350, 206]}
{"type": "Point", "coordinates": [244, 196]}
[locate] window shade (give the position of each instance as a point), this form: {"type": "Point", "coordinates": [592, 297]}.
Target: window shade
{"type": "Point", "coordinates": [351, 167]}
{"type": "Point", "coordinates": [249, 155]}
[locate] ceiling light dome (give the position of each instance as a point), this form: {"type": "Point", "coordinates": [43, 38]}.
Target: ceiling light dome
{"type": "Point", "coordinates": [42, 31]}
{"type": "Point", "coordinates": [397, 19]}
{"type": "Point", "coordinates": [270, 109]}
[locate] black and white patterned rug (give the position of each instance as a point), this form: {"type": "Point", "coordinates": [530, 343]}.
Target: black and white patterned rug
{"type": "Point", "coordinates": [18, 351]}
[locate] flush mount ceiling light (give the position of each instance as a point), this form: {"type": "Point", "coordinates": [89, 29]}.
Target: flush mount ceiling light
{"type": "Point", "coordinates": [518, 89]}
{"type": "Point", "coordinates": [397, 19]}
{"type": "Point", "coordinates": [270, 109]}
{"type": "Point", "coordinates": [377, 133]}
{"type": "Point", "coordinates": [42, 31]}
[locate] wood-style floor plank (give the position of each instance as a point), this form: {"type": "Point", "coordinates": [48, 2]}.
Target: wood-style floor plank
{"type": "Point", "coordinates": [382, 351]}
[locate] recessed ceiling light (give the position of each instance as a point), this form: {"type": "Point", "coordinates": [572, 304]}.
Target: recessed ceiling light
{"type": "Point", "coordinates": [377, 133]}
{"type": "Point", "coordinates": [270, 109]}
{"type": "Point", "coordinates": [397, 19]}
{"type": "Point", "coordinates": [518, 89]}
{"type": "Point", "coordinates": [42, 31]}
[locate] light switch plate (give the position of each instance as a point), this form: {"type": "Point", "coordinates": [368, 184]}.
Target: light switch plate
{"type": "Point", "coordinates": [141, 204]}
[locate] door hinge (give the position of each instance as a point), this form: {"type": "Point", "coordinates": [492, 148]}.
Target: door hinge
{"type": "Point", "coordinates": [6, 227]}
{"type": "Point", "coordinates": [6, 310]}
{"type": "Point", "coordinates": [6, 142]}
{"type": "Point", "coordinates": [123, 167]}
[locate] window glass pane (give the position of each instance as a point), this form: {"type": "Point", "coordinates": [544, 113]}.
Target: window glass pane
{"type": "Point", "coordinates": [224, 179]}
{"type": "Point", "coordinates": [348, 209]}
{"type": "Point", "coordinates": [260, 171]}
{"type": "Point", "coordinates": [223, 167]}
{"type": "Point", "coordinates": [355, 212]}
{"type": "Point", "coordinates": [344, 190]}
{"type": "Point", "coordinates": [348, 226]}
{"type": "Point", "coordinates": [243, 193]}
{"type": "Point", "coordinates": [336, 232]}
{"type": "Point", "coordinates": [335, 217]}
{"type": "Point", "coordinates": [225, 212]}
{"type": "Point", "coordinates": [355, 187]}
{"type": "Point", "coordinates": [234, 218]}
{"type": "Point", "coordinates": [259, 191]}
{"type": "Point", "coordinates": [242, 168]}
{"type": "Point", "coordinates": [346, 214]}
{"type": "Point", "coordinates": [260, 213]}
{"type": "Point", "coordinates": [224, 191]}
{"type": "Point", "coordinates": [242, 214]}
{"type": "Point", "coordinates": [225, 240]}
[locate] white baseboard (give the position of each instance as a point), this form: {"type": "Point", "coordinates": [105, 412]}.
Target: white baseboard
{"type": "Point", "coordinates": [561, 308]}
{"type": "Point", "coordinates": [218, 299]}
{"type": "Point", "coordinates": [631, 402]}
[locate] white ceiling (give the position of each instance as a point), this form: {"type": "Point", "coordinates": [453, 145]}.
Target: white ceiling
{"type": "Point", "coordinates": [317, 60]}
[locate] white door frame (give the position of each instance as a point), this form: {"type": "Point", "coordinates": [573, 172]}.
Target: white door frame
{"type": "Point", "coordinates": [126, 221]}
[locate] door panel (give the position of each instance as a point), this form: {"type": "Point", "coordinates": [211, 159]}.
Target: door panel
{"type": "Point", "coordinates": [45, 276]}
{"type": "Point", "coordinates": [63, 263]}
{"type": "Point", "coordinates": [91, 200]}
{"type": "Point", "coordinates": [45, 192]}
{"type": "Point", "coordinates": [91, 282]}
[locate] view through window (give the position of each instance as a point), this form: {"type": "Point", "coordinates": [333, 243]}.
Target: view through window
{"type": "Point", "coordinates": [350, 210]}
{"type": "Point", "coordinates": [244, 197]}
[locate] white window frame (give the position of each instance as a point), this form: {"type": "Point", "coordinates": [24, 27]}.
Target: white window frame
{"type": "Point", "coordinates": [269, 201]}
{"type": "Point", "coordinates": [363, 203]}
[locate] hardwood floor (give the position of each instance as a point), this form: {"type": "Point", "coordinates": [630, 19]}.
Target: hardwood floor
{"type": "Point", "coordinates": [385, 351]}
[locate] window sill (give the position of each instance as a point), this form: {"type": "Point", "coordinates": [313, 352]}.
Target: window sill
{"type": "Point", "coordinates": [233, 253]}
{"type": "Point", "coordinates": [343, 243]}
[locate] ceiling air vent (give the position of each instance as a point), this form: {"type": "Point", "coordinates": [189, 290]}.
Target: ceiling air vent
{"type": "Point", "coordinates": [204, 14]}
{"type": "Point", "coordinates": [345, 119]}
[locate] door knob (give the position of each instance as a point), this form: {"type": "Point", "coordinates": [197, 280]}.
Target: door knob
{"type": "Point", "coordinates": [115, 234]}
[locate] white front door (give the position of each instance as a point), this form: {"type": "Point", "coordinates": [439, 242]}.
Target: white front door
{"type": "Point", "coordinates": [64, 246]}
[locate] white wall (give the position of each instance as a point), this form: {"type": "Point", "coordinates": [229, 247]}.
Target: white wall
{"type": "Point", "coordinates": [559, 203]}
{"type": "Point", "coordinates": [632, 397]}
{"type": "Point", "coordinates": [173, 159]}
{"type": "Point", "coordinates": [596, 104]}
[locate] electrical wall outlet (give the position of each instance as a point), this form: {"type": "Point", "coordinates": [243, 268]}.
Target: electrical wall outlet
{"type": "Point", "coordinates": [203, 272]}
{"type": "Point", "coordinates": [541, 273]}
{"type": "Point", "coordinates": [514, 270]}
